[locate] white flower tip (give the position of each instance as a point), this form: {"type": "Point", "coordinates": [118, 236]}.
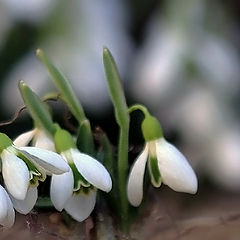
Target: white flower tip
{"type": "Point", "coordinates": [61, 184]}
{"type": "Point", "coordinates": [187, 184]}
{"type": "Point", "coordinates": [192, 185]}
{"type": "Point", "coordinates": [7, 214]}
{"type": "Point", "coordinates": [186, 181]}
{"type": "Point", "coordinates": [106, 185]}
{"type": "Point", "coordinates": [24, 138]}
{"type": "Point", "coordinates": [175, 169]}
{"type": "Point", "coordinates": [135, 180]}
{"type": "Point", "coordinates": [63, 169]}
{"type": "Point", "coordinates": [81, 206]}
{"type": "Point", "coordinates": [134, 198]}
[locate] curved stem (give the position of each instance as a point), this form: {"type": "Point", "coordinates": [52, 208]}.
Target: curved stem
{"type": "Point", "coordinates": [140, 108]}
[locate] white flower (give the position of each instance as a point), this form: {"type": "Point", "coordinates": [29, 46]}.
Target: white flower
{"type": "Point", "coordinates": [166, 165]}
{"type": "Point", "coordinates": [79, 184]}
{"type": "Point", "coordinates": [38, 137]}
{"type": "Point", "coordinates": [7, 214]}
{"type": "Point", "coordinates": [23, 167]}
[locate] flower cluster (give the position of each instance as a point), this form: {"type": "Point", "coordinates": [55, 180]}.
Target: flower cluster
{"type": "Point", "coordinates": [79, 183]}
{"type": "Point", "coordinates": [76, 175]}
{"type": "Point", "coordinates": [23, 168]}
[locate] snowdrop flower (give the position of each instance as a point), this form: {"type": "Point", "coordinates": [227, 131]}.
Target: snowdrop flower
{"type": "Point", "coordinates": [7, 214]}
{"type": "Point", "coordinates": [80, 183]}
{"type": "Point", "coordinates": [166, 165]}
{"type": "Point", "coordinates": [23, 168]}
{"type": "Point", "coordinates": [39, 138]}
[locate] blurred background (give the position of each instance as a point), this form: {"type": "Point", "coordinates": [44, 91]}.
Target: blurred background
{"type": "Point", "coordinates": [179, 58]}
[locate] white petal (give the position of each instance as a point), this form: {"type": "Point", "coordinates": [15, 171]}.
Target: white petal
{"type": "Point", "coordinates": [81, 206]}
{"type": "Point", "coordinates": [26, 205]}
{"type": "Point", "coordinates": [10, 216]}
{"type": "Point", "coordinates": [50, 161]}
{"type": "Point", "coordinates": [135, 180]}
{"type": "Point", "coordinates": [3, 204]}
{"type": "Point", "coordinates": [23, 139]}
{"type": "Point", "coordinates": [8, 219]}
{"type": "Point", "coordinates": [174, 168]}
{"type": "Point", "coordinates": [42, 140]}
{"type": "Point", "coordinates": [92, 170]}
{"type": "Point", "coordinates": [15, 174]}
{"type": "Point", "coordinates": [61, 189]}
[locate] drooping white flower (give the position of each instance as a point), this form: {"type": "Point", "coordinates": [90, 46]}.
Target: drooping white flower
{"type": "Point", "coordinates": [23, 167]}
{"type": "Point", "coordinates": [7, 214]}
{"type": "Point", "coordinates": [80, 184]}
{"type": "Point", "coordinates": [166, 164]}
{"type": "Point", "coordinates": [39, 139]}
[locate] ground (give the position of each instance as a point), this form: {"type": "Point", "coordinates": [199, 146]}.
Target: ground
{"type": "Point", "coordinates": [211, 214]}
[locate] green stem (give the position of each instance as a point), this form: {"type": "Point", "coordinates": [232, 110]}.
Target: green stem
{"type": "Point", "coordinates": [139, 107]}
{"type": "Point", "coordinates": [122, 175]}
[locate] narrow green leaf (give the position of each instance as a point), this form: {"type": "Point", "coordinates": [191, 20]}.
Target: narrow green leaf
{"type": "Point", "coordinates": [107, 158]}
{"type": "Point", "coordinates": [122, 118]}
{"type": "Point", "coordinates": [84, 142]}
{"type": "Point", "coordinates": [69, 97]}
{"type": "Point", "coordinates": [106, 155]}
{"type": "Point", "coordinates": [64, 87]}
{"type": "Point", "coordinates": [115, 89]}
{"type": "Point", "coordinates": [36, 108]}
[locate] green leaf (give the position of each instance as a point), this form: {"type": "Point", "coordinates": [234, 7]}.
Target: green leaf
{"type": "Point", "coordinates": [84, 142]}
{"type": "Point", "coordinates": [5, 142]}
{"type": "Point", "coordinates": [115, 89]}
{"type": "Point", "coordinates": [64, 87]}
{"type": "Point", "coordinates": [122, 118]}
{"type": "Point", "coordinates": [37, 109]}
{"type": "Point", "coordinates": [106, 155]}
{"type": "Point", "coordinates": [69, 97]}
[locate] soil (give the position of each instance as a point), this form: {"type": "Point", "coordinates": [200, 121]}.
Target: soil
{"type": "Point", "coordinates": [211, 214]}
